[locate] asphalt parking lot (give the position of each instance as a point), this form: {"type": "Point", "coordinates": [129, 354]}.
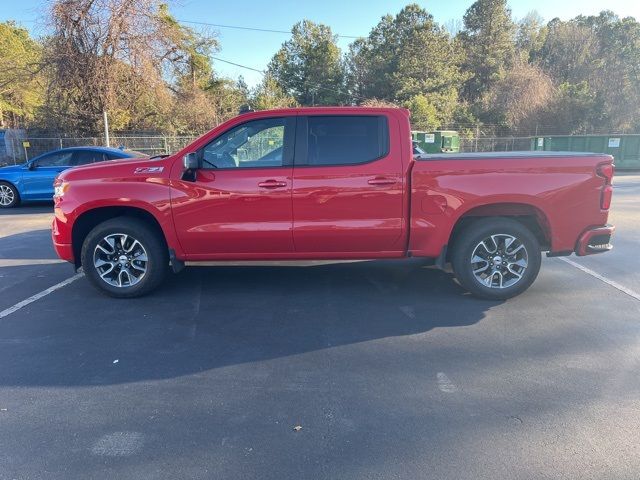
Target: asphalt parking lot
{"type": "Point", "coordinates": [389, 368]}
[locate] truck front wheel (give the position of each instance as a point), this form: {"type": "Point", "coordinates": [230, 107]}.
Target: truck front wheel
{"type": "Point", "coordinates": [124, 257]}
{"type": "Point", "coordinates": [496, 258]}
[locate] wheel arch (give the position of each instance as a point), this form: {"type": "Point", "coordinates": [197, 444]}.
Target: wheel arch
{"type": "Point", "coordinates": [89, 219]}
{"type": "Point", "coordinates": [532, 217]}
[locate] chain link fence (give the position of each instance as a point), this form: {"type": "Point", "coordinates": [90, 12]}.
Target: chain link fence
{"type": "Point", "coordinates": [20, 149]}
{"type": "Point", "coordinates": [495, 144]}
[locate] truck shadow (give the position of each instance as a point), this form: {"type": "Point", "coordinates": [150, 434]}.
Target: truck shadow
{"type": "Point", "coordinates": [32, 244]}
{"type": "Point", "coordinates": [211, 317]}
{"type": "Point", "coordinates": [28, 209]}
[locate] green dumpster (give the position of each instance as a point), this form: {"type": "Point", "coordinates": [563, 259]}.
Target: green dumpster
{"type": "Point", "coordinates": [625, 149]}
{"type": "Point", "coordinates": [438, 141]}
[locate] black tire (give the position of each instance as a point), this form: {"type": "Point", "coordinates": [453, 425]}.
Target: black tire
{"type": "Point", "coordinates": [157, 263]}
{"type": "Point", "coordinates": [14, 191]}
{"type": "Point", "coordinates": [471, 237]}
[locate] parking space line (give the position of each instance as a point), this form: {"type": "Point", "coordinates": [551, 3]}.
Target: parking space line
{"type": "Point", "coordinates": [38, 296]}
{"type": "Point", "coordinates": [602, 278]}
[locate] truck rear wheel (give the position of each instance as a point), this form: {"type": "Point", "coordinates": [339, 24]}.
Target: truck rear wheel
{"type": "Point", "coordinates": [124, 257]}
{"type": "Point", "coordinates": [496, 258]}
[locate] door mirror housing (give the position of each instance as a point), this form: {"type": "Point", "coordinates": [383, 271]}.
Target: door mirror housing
{"type": "Point", "coordinates": [190, 161]}
{"type": "Point", "coordinates": [191, 164]}
{"type": "Point", "coordinates": [31, 166]}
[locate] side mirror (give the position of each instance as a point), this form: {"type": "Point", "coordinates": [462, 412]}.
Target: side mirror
{"type": "Point", "coordinates": [190, 161]}
{"type": "Point", "coordinates": [31, 166]}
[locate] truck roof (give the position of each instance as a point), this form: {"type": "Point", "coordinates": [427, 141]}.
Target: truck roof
{"type": "Point", "coordinates": [328, 110]}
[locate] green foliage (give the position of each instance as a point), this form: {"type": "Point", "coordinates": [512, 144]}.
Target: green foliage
{"type": "Point", "coordinates": [489, 44]}
{"type": "Point", "coordinates": [596, 62]}
{"type": "Point", "coordinates": [575, 107]}
{"type": "Point", "coordinates": [308, 67]}
{"type": "Point", "coordinates": [270, 95]}
{"type": "Point", "coordinates": [424, 114]}
{"type": "Point", "coordinates": [404, 56]}
{"type": "Point", "coordinates": [20, 82]}
{"type": "Point", "coordinates": [530, 36]}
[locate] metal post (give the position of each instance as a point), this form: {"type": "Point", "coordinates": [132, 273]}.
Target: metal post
{"type": "Point", "coordinates": [166, 146]}
{"type": "Point", "coordinates": [60, 141]}
{"type": "Point", "coordinates": [106, 128]}
{"type": "Point", "coordinates": [477, 135]}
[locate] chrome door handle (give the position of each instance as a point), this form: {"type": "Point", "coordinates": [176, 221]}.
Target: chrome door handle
{"type": "Point", "coordinates": [272, 184]}
{"type": "Point", "coordinates": [381, 181]}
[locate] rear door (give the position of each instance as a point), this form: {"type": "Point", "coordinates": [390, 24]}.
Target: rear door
{"type": "Point", "coordinates": [38, 180]}
{"type": "Point", "coordinates": [239, 204]}
{"type": "Point", "coordinates": [348, 186]}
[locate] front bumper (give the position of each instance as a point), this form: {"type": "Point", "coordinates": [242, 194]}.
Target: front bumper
{"type": "Point", "coordinates": [61, 238]}
{"type": "Point", "coordinates": [64, 251]}
{"type": "Point", "coordinates": [595, 240]}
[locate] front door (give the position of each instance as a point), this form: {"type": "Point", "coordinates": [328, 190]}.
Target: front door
{"type": "Point", "coordinates": [38, 177]}
{"type": "Point", "coordinates": [239, 205]}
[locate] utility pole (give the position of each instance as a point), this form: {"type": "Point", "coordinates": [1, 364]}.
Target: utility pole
{"type": "Point", "coordinates": [106, 128]}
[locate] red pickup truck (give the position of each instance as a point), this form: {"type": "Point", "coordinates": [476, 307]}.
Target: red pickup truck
{"type": "Point", "coordinates": [330, 183]}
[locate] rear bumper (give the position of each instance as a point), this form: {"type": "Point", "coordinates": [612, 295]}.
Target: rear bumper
{"type": "Point", "coordinates": [595, 240]}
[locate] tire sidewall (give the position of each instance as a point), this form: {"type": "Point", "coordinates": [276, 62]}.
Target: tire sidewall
{"type": "Point", "coordinates": [474, 234]}
{"type": "Point", "coordinates": [157, 264]}
{"type": "Point", "coordinates": [16, 195]}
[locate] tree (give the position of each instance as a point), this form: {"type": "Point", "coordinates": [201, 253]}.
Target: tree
{"type": "Point", "coordinates": [20, 79]}
{"type": "Point", "coordinates": [519, 98]}
{"type": "Point", "coordinates": [574, 108]}
{"type": "Point", "coordinates": [424, 115]}
{"type": "Point", "coordinates": [125, 57]}
{"type": "Point", "coordinates": [489, 44]}
{"type": "Point", "coordinates": [269, 95]}
{"type": "Point", "coordinates": [407, 58]}
{"type": "Point", "coordinates": [530, 35]}
{"type": "Point", "coordinates": [308, 67]}
{"type": "Point", "coordinates": [578, 52]}
{"type": "Point", "coordinates": [569, 50]}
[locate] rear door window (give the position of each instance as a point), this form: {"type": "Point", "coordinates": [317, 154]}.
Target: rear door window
{"type": "Point", "coordinates": [346, 139]}
{"type": "Point", "coordinates": [84, 157]}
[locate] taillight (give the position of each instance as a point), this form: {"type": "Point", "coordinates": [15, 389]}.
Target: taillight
{"type": "Point", "coordinates": [605, 198]}
{"type": "Point", "coordinates": [606, 171]}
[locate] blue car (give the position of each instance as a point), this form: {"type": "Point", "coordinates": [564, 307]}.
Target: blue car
{"type": "Point", "coordinates": [33, 181]}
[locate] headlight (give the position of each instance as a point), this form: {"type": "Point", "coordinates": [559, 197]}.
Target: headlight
{"type": "Point", "coordinates": [59, 188]}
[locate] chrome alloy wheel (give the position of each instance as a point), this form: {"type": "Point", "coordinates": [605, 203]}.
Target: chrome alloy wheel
{"type": "Point", "coordinates": [499, 261]}
{"type": "Point", "coordinates": [6, 195]}
{"type": "Point", "coordinates": [120, 260]}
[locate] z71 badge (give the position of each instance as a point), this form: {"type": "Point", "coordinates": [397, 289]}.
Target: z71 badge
{"type": "Point", "coordinates": [148, 170]}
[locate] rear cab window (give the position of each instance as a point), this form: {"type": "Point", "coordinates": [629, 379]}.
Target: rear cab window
{"type": "Point", "coordinates": [342, 140]}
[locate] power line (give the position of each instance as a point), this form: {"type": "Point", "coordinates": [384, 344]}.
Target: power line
{"type": "Point", "coordinates": [314, 86]}
{"type": "Point", "coordinates": [239, 65]}
{"type": "Point", "coordinates": [254, 29]}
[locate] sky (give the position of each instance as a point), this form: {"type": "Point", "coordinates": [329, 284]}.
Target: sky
{"type": "Point", "coordinates": [345, 17]}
